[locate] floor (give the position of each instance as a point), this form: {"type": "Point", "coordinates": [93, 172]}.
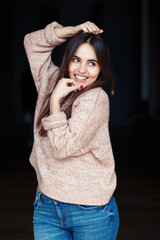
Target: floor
{"type": "Point", "coordinates": [137, 194]}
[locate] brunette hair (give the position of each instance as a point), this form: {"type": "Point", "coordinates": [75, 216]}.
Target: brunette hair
{"type": "Point", "coordinates": [105, 76]}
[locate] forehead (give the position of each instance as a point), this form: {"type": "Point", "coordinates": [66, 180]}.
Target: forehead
{"type": "Point", "coordinates": [86, 51]}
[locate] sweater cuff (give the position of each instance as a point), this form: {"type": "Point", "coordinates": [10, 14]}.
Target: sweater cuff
{"type": "Point", "coordinates": [54, 121]}
{"type": "Point", "coordinates": [52, 38]}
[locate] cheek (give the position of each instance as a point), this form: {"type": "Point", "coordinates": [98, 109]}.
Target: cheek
{"type": "Point", "coordinates": [95, 73]}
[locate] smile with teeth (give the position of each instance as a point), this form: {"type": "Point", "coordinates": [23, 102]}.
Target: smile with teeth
{"type": "Point", "coordinates": [80, 78]}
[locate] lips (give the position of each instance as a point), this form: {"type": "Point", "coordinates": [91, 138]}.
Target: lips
{"type": "Point", "coordinates": [80, 78]}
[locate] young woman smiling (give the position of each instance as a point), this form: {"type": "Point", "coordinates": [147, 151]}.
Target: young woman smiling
{"type": "Point", "coordinates": [72, 153]}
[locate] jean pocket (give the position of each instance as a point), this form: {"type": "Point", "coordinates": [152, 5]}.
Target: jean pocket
{"type": "Point", "coordinates": [41, 200]}
{"type": "Point", "coordinates": [106, 208]}
{"type": "Point", "coordinates": [109, 207]}
{"type": "Point", "coordinates": [88, 207]}
{"type": "Point", "coordinates": [45, 199]}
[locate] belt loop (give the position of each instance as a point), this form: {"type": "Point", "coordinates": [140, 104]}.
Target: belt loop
{"type": "Point", "coordinates": [55, 202]}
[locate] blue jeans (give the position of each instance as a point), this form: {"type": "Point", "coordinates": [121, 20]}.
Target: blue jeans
{"type": "Point", "coordinates": [54, 220]}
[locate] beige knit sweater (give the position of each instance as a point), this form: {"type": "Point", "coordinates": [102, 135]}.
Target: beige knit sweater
{"type": "Point", "coordinates": [74, 163]}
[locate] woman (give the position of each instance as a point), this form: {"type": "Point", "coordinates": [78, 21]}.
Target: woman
{"type": "Point", "coordinates": [72, 153]}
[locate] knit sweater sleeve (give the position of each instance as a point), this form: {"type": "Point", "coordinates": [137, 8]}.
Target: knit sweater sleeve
{"type": "Point", "coordinates": [72, 137]}
{"type": "Point", "coordinates": [39, 46]}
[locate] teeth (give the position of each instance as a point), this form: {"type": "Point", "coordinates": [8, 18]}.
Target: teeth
{"type": "Point", "coordinates": [81, 78]}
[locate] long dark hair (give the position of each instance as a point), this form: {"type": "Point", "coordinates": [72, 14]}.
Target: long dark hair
{"type": "Point", "coordinates": [105, 76]}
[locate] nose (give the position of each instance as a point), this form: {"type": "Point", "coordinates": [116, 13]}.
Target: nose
{"type": "Point", "coordinates": [82, 68]}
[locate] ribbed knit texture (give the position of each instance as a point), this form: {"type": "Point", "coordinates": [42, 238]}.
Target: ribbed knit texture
{"type": "Point", "coordinates": [75, 162]}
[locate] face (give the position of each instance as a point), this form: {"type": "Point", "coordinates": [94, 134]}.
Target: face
{"type": "Point", "coordinates": [84, 67]}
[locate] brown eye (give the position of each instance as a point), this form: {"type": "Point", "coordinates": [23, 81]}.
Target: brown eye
{"type": "Point", "coordinates": [92, 64]}
{"type": "Point", "coordinates": [75, 60]}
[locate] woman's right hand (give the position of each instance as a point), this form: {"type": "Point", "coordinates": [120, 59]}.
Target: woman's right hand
{"type": "Point", "coordinates": [87, 27]}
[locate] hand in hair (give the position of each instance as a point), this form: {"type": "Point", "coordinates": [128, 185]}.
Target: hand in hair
{"type": "Point", "coordinates": [87, 27]}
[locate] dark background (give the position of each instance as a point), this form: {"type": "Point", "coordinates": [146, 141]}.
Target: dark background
{"type": "Point", "coordinates": [131, 30]}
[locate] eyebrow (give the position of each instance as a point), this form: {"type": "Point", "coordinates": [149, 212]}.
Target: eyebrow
{"type": "Point", "coordinates": [89, 60]}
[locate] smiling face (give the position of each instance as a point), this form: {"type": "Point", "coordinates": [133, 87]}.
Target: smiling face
{"type": "Point", "coordinates": [84, 67]}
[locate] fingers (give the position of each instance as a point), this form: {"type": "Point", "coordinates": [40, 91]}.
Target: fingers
{"type": "Point", "coordinates": [74, 89]}
{"type": "Point", "coordinates": [64, 87]}
{"type": "Point", "coordinates": [90, 27]}
{"type": "Point", "coordinates": [87, 27]}
{"type": "Point", "coordinates": [71, 85]}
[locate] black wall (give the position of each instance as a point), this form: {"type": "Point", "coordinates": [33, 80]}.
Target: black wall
{"type": "Point", "coordinates": [131, 32]}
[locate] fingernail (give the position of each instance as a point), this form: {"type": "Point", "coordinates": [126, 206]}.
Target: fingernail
{"type": "Point", "coordinates": [81, 86]}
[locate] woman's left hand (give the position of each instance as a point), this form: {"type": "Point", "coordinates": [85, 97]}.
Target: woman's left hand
{"type": "Point", "coordinates": [62, 89]}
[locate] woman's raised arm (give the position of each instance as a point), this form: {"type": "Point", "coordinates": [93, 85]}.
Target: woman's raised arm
{"type": "Point", "coordinates": [39, 46]}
